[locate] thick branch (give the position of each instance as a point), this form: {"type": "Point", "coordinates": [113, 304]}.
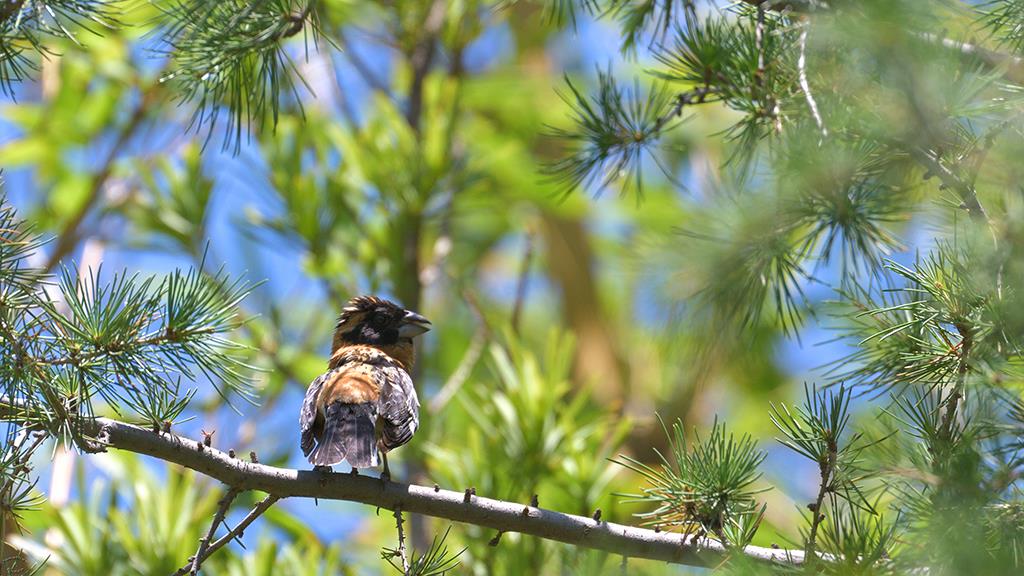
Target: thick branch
{"type": "Point", "coordinates": [504, 516]}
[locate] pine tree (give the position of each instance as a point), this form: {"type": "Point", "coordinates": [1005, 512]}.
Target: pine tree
{"type": "Point", "coordinates": [773, 159]}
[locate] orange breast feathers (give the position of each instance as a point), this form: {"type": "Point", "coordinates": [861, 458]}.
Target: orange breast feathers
{"type": "Point", "coordinates": [356, 384]}
{"type": "Point", "coordinates": [403, 353]}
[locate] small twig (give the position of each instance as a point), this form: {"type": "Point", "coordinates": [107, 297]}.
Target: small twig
{"type": "Point", "coordinates": [798, 6]}
{"type": "Point", "coordinates": [966, 343]}
{"type": "Point", "coordinates": [401, 540]}
{"type": "Point", "coordinates": [521, 284]}
{"type": "Point", "coordinates": [684, 99]}
{"type": "Point", "coordinates": [68, 236]}
{"type": "Point", "coordinates": [9, 8]}
{"type": "Point", "coordinates": [967, 193]}
{"type": "Point", "coordinates": [231, 535]}
{"type": "Point", "coordinates": [759, 42]}
{"type": "Point", "coordinates": [801, 65]}
{"type": "Point", "coordinates": [297, 21]}
{"type": "Point", "coordinates": [827, 470]}
{"type": "Point", "coordinates": [23, 435]}
{"type": "Point", "coordinates": [420, 59]}
{"type": "Point", "coordinates": [462, 371]}
{"type": "Point", "coordinates": [1012, 65]}
{"type": "Point", "coordinates": [362, 68]}
{"type": "Point", "coordinates": [204, 542]}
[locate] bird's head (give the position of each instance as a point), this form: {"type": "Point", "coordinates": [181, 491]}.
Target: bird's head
{"type": "Point", "coordinates": [377, 322]}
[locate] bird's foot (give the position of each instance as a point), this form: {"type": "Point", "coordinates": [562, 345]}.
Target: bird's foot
{"type": "Point", "coordinates": [322, 468]}
{"type": "Point", "coordinates": [354, 472]}
{"type": "Point", "coordinates": [385, 474]}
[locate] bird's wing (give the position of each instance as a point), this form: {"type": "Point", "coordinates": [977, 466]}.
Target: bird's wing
{"type": "Point", "coordinates": [307, 415]}
{"type": "Point", "coordinates": [399, 408]}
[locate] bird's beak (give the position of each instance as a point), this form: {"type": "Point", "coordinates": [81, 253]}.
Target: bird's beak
{"type": "Point", "coordinates": [413, 325]}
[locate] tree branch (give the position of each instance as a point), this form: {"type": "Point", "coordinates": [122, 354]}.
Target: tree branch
{"type": "Point", "coordinates": [485, 512]}
{"type": "Point", "coordinates": [362, 68]}
{"type": "Point", "coordinates": [420, 59]}
{"type": "Point", "coordinates": [68, 236]}
{"type": "Point", "coordinates": [234, 533]}
{"type": "Point", "coordinates": [9, 8]}
{"type": "Point", "coordinates": [801, 65]}
{"type": "Point", "coordinates": [521, 283]}
{"type": "Point", "coordinates": [204, 543]}
{"type": "Point", "coordinates": [401, 541]}
{"type": "Point", "coordinates": [827, 470]}
{"type": "Point", "coordinates": [964, 189]}
{"type": "Point", "coordinates": [683, 99]}
{"type": "Point", "coordinates": [1013, 65]}
{"type": "Point", "coordinates": [966, 343]}
{"type": "Point", "coordinates": [799, 6]}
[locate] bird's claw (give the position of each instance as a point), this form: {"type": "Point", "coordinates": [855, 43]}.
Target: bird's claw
{"type": "Point", "coordinates": [322, 468]}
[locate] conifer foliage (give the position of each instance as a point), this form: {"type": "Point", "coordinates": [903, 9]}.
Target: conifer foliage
{"type": "Point", "coordinates": [848, 131]}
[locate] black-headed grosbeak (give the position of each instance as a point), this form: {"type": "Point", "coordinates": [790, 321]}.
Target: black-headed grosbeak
{"type": "Point", "coordinates": [365, 404]}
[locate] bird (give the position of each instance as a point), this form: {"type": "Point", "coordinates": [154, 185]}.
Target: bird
{"type": "Point", "coordinates": [365, 404]}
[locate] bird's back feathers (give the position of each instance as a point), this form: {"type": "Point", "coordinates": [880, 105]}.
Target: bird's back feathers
{"type": "Point", "coordinates": [368, 397]}
{"type": "Point", "coordinates": [348, 434]}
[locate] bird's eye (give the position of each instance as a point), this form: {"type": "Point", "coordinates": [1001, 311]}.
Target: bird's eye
{"type": "Point", "coordinates": [378, 320]}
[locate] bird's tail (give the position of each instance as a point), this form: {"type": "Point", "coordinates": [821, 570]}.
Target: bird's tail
{"type": "Point", "coordinates": [349, 434]}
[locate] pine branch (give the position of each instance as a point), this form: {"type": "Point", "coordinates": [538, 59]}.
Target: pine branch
{"type": "Point", "coordinates": [966, 343]}
{"type": "Point", "coordinates": [9, 8]}
{"type": "Point", "coordinates": [827, 469]}
{"type": "Point", "coordinates": [798, 6]}
{"type": "Point", "coordinates": [485, 512]}
{"type": "Point", "coordinates": [966, 191]}
{"type": "Point", "coordinates": [230, 56]}
{"type": "Point", "coordinates": [1011, 64]}
{"type": "Point", "coordinates": [684, 99]}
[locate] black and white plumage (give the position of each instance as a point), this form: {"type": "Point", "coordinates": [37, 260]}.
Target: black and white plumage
{"type": "Point", "coordinates": [365, 404]}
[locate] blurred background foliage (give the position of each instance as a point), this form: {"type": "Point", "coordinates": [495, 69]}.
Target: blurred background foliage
{"type": "Point", "coordinates": [749, 241]}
